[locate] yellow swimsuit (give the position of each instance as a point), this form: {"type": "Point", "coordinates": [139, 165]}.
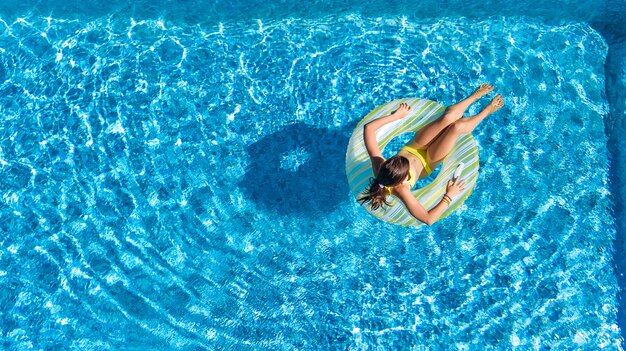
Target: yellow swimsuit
{"type": "Point", "coordinates": [421, 155]}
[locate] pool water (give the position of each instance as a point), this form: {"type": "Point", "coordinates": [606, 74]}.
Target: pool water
{"type": "Point", "coordinates": [171, 184]}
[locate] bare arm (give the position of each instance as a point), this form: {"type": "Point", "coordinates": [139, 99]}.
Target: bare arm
{"type": "Point", "coordinates": [369, 134]}
{"type": "Point", "coordinates": [418, 211]}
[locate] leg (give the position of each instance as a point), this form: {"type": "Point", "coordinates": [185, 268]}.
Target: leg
{"type": "Point", "coordinates": [443, 144]}
{"type": "Point", "coordinates": [427, 134]}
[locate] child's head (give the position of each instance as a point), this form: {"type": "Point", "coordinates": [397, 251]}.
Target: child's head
{"type": "Point", "coordinates": [392, 172]}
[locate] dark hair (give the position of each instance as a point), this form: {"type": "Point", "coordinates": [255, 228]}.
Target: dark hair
{"type": "Point", "coordinates": [392, 172]}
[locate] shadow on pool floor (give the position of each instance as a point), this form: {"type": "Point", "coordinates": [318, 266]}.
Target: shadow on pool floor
{"type": "Point", "coordinates": [299, 170]}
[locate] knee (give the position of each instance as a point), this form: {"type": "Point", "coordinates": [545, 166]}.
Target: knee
{"type": "Point", "coordinates": [461, 127]}
{"type": "Point", "coordinates": [457, 127]}
{"type": "Point", "coordinates": [452, 114]}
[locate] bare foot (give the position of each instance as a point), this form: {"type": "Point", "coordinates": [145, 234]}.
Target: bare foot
{"type": "Point", "coordinates": [496, 104]}
{"type": "Point", "coordinates": [482, 90]}
{"type": "Point", "coordinates": [402, 111]}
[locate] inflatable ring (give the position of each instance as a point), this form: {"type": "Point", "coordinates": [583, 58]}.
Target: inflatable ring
{"type": "Point", "coordinates": [359, 167]}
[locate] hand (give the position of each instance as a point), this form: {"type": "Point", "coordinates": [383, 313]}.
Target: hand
{"type": "Point", "coordinates": [402, 111]}
{"type": "Point", "coordinates": [455, 187]}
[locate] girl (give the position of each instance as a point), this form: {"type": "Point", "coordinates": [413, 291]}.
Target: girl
{"type": "Point", "coordinates": [431, 144]}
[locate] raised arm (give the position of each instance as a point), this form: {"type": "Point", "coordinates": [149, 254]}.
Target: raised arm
{"type": "Point", "coordinates": [429, 216]}
{"type": "Point", "coordinates": [369, 134]}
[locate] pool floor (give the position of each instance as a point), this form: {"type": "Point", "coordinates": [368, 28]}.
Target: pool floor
{"type": "Point", "coordinates": [184, 183]}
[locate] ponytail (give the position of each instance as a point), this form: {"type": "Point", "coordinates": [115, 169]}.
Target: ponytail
{"type": "Point", "coordinates": [375, 194]}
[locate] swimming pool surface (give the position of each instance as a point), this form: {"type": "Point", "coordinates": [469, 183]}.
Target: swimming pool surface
{"type": "Point", "coordinates": [172, 179]}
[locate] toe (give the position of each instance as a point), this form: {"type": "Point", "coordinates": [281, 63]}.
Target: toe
{"type": "Point", "coordinates": [499, 101]}
{"type": "Point", "coordinates": [484, 89]}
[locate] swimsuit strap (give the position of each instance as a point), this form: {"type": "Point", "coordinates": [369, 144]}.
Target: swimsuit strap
{"type": "Point", "coordinates": [411, 182]}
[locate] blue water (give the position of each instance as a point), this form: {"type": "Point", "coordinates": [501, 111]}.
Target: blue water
{"type": "Point", "coordinates": [177, 182]}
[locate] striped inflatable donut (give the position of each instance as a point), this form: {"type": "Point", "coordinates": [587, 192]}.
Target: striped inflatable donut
{"type": "Point", "coordinates": [359, 167]}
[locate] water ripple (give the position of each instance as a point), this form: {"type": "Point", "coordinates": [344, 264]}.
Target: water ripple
{"type": "Point", "coordinates": [183, 184]}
